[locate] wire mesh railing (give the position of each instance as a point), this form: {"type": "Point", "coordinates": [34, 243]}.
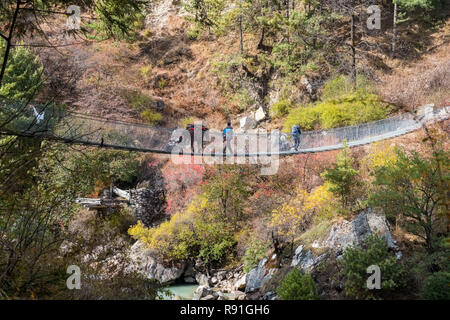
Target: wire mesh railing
{"type": "Point", "coordinates": [90, 130]}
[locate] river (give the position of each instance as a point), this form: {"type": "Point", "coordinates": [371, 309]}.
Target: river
{"type": "Point", "coordinates": [184, 291]}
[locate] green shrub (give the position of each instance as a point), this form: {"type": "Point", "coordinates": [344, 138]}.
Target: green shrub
{"type": "Point", "coordinates": [308, 118]}
{"type": "Point", "coordinates": [162, 83]}
{"type": "Point", "coordinates": [437, 286]}
{"type": "Point", "coordinates": [151, 117]}
{"type": "Point", "coordinates": [243, 99]}
{"type": "Point", "coordinates": [146, 71]}
{"type": "Point", "coordinates": [350, 109]}
{"type": "Point", "coordinates": [280, 108]}
{"type": "Point", "coordinates": [409, 189]}
{"type": "Point", "coordinates": [254, 253]}
{"type": "Point", "coordinates": [194, 33]}
{"type": "Point", "coordinates": [374, 251]}
{"type": "Point", "coordinates": [137, 100]}
{"type": "Point", "coordinates": [297, 286]}
{"type": "Point", "coordinates": [342, 85]}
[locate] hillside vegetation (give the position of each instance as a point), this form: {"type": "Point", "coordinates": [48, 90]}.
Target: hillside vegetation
{"type": "Point", "coordinates": [168, 63]}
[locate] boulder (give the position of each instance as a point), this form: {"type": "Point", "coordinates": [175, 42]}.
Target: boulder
{"type": "Point", "coordinates": [248, 122]}
{"type": "Point", "coordinates": [189, 279]}
{"type": "Point", "coordinates": [349, 233]}
{"type": "Point", "coordinates": [305, 259]}
{"type": "Point", "coordinates": [308, 86]}
{"type": "Point", "coordinates": [221, 275]}
{"type": "Point", "coordinates": [260, 114]}
{"type": "Point", "coordinates": [240, 283]}
{"type": "Point", "coordinates": [208, 297]}
{"type": "Point", "coordinates": [143, 262]}
{"type": "Point", "coordinates": [257, 276]}
{"type": "Point", "coordinates": [203, 291]}
{"type": "Point", "coordinates": [202, 279]}
{"type": "Point", "coordinates": [237, 295]}
{"type": "Point", "coordinates": [271, 295]}
{"type": "Point", "coordinates": [241, 297]}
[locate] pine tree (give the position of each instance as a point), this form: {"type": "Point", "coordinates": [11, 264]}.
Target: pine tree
{"type": "Point", "coordinates": [342, 177]}
{"type": "Point", "coordinates": [23, 74]}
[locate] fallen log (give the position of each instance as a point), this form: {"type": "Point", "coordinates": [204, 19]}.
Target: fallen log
{"type": "Point", "coordinates": [122, 193]}
{"type": "Point", "coordinates": [98, 203]}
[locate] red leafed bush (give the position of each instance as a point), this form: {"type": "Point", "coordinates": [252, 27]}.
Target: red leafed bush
{"type": "Point", "coordinates": [181, 183]}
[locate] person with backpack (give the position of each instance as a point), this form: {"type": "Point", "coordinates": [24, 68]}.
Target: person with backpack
{"type": "Point", "coordinates": [227, 137]}
{"type": "Point", "coordinates": [296, 132]}
{"type": "Point", "coordinates": [191, 129]}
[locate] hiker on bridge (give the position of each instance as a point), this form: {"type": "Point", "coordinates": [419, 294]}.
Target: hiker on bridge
{"type": "Point", "coordinates": [227, 137]}
{"type": "Point", "coordinates": [191, 129]}
{"type": "Point", "coordinates": [296, 132]}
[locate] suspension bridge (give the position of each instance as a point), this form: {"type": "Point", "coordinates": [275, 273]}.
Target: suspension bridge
{"type": "Point", "coordinates": [76, 128]}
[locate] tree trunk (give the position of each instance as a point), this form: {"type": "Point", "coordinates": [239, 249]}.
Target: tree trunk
{"type": "Point", "coordinates": [241, 37]}
{"type": "Point", "coordinates": [394, 31]}
{"type": "Point", "coordinates": [353, 51]}
{"type": "Point", "coordinates": [287, 17]}
{"type": "Point", "coordinates": [8, 42]}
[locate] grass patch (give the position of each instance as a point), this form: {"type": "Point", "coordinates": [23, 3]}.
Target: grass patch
{"type": "Point", "coordinates": [146, 71]}
{"type": "Point", "coordinates": [318, 232]}
{"type": "Point", "coordinates": [136, 99]}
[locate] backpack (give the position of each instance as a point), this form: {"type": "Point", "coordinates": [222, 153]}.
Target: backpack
{"type": "Point", "coordinates": [296, 129]}
{"type": "Point", "coordinates": [228, 132]}
{"type": "Point", "coordinates": [191, 127]}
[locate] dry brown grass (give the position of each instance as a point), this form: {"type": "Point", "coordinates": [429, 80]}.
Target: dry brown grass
{"type": "Point", "coordinates": [425, 80]}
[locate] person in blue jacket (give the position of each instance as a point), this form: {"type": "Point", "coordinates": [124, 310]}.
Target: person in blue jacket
{"type": "Point", "coordinates": [227, 137]}
{"type": "Point", "coordinates": [296, 132]}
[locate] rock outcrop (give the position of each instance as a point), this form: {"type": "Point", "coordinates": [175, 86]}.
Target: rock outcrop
{"type": "Point", "coordinates": [349, 233]}
{"type": "Point", "coordinates": [258, 276]}
{"type": "Point", "coordinates": [305, 259]}
{"type": "Point", "coordinates": [343, 235]}
{"type": "Point", "coordinates": [148, 205]}
{"type": "Point", "coordinates": [143, 261]}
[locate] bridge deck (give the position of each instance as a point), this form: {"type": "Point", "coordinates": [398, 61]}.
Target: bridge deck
{"type": "Point", "coordinates": [88, 130]}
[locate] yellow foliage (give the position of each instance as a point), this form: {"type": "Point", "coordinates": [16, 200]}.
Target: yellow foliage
{"type": "Point", "coordinates": [171, 236]}
{"type": "Point", "coordinates": [381, 154]}
{"type": "Point", "coordinates": [146, 71]}
{"type": "Point", "coordinates": [151, 117]}
{"type": "Point", "coordinates": [290, 217]}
